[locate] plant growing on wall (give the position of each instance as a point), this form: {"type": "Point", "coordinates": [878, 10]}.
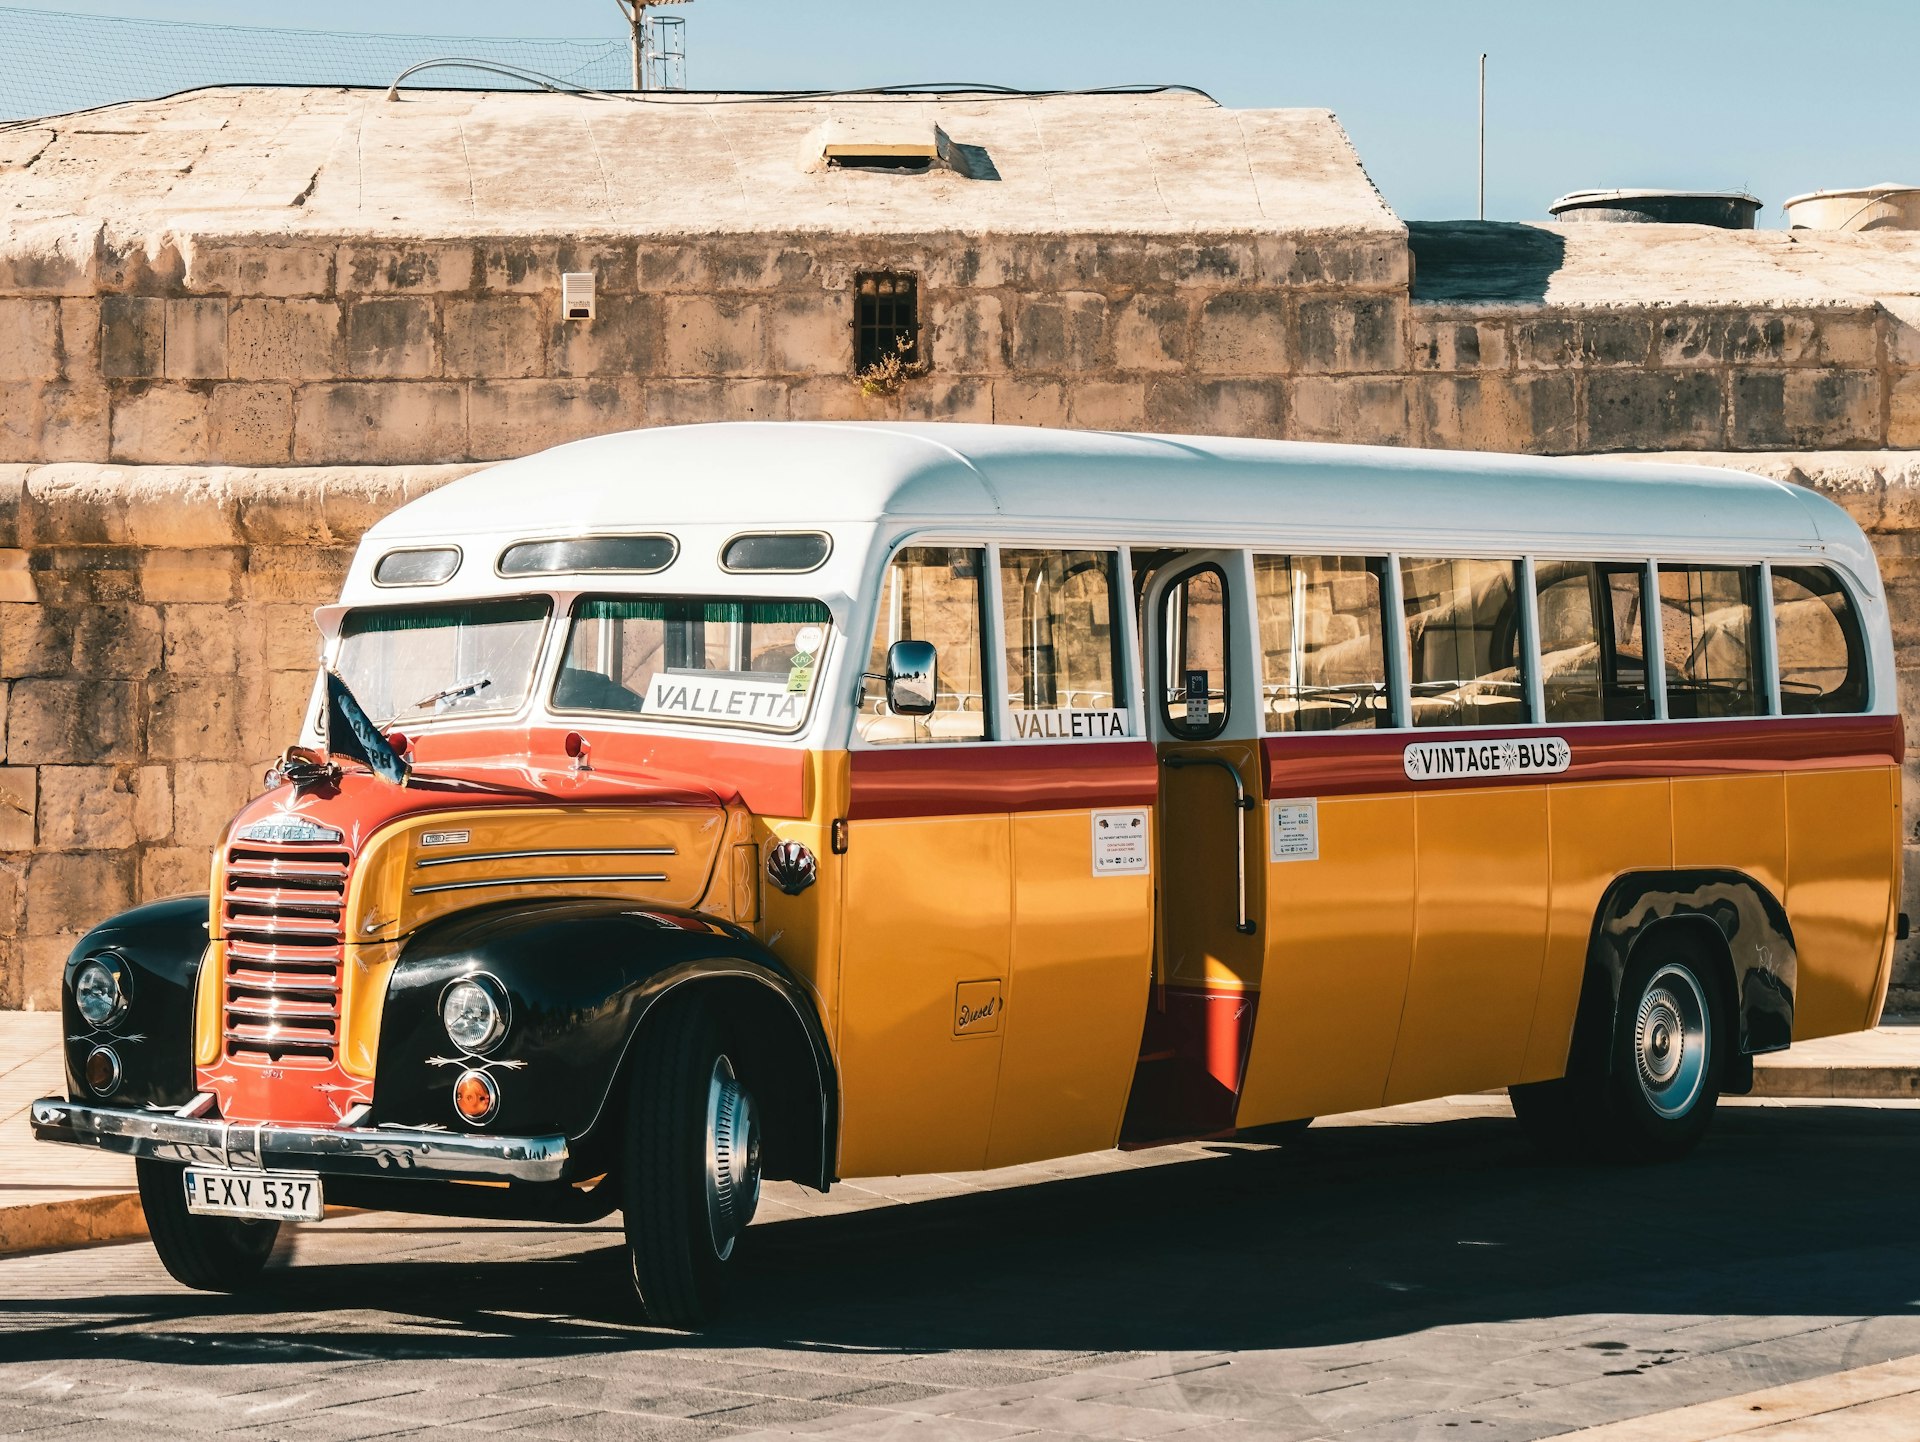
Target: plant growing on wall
{"type": "Point", "coordinates": [893, 370]}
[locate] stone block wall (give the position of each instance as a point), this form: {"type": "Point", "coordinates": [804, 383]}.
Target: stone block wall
{"type": "Point", "coordinates": [327, 351]}
{"type": "Point", "coordinates": [158, 647]}
{"type": "Point", "coordinates": [313, 354]}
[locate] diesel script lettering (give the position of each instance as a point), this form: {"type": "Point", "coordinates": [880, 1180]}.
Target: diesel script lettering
{"type": "Point", "coordinates": [968, 1016]}
{"type": "Point", "coordinates": [725, 700]}
{"type": "Point", "coordinates": [1066, 725]}
{"type": "Point", "coordinates": [1464, 760]}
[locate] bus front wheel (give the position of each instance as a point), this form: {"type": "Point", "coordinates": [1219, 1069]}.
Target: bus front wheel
{"type": "Point", "coordinates": [209, 1254]}
{"type": "Point", "coordinates": [692, 1169]}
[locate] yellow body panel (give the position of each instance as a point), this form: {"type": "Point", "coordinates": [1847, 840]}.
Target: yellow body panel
{"type": "Point", "coordinates": [1480, 925]}
{"type": "Point", "coordinates": [1597, 830]}
{"type": "Point", "coordinates": [206, 1004]}
{"type": "Point", "coordinates": [1733, 821]}
{"type": "Point", "coordinates": [928, 906]}
{"type": "Point", "coordinates": [1339, 940]}
{"type": "Point", "coordinates": [1076, 995]}
{"type": "Point", "coordinates": [382, 903]}
{"type": "Point", "coordinates": [1843, 845]}
{"type": "Point", "coordinates": [804, 930]}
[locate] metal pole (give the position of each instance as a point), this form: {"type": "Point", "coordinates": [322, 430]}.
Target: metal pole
{"type": "Point", "coordinates": [636, 17]}
{"type": "Point", "coordinates": [1483, 135]}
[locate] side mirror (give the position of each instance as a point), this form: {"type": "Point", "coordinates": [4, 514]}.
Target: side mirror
{"type": "Point", "coordinates": [913, 678]}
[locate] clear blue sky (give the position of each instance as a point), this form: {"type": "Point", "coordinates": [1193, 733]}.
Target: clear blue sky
{"type": "Point", "coordinates": [1772, 96]}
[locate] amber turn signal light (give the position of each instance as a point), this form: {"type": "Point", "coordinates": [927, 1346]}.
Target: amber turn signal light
{"type": "Point", "coordinates": [103, 1070]}
{"type": "Point", "coordinates": [476, 1097]}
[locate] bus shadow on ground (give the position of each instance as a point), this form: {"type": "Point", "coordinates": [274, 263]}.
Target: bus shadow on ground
{"type": "Point", "coordinates": [1349, 1234]}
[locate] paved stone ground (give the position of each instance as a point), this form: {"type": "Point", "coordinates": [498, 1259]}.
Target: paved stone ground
{"type": "Point", "coordinates": [1371, 1281]}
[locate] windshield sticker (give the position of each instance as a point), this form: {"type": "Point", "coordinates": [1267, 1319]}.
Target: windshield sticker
{"type": "Point", "coordinates": [1293, 830]}
{"type": "Point", "coordinates": [1120, 846]}
{"type": "Point", "coordinates": [1453, 760]}
{"type": "Point", "coordinates": [806, 652]}
{"type": "Point", "coordinates": [725, 698]}
{"type": "Point", "coordinates": [1069, 725]}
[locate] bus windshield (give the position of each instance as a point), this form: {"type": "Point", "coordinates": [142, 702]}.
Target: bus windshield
{"type": "Point", "coordinates": [419, 663]}
{"type": "Point", "coordinates": [729, 663]}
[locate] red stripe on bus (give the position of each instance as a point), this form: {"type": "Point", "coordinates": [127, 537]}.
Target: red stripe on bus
{"type": "Point", "coordinates": [970, 780]}
{"type": "Point", "coordinates": [1348, 763]}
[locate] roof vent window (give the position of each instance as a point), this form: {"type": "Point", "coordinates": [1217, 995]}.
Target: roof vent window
{"type": "Point", "coordinates": [791, 552]}
{"type": "Point", "coordinates": [631, 555]}
{"type": "Point", "coordinates": [426, 566]}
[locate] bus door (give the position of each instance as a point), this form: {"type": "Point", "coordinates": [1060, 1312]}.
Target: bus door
{"type": "Point", "coordinates": [1211, 885]}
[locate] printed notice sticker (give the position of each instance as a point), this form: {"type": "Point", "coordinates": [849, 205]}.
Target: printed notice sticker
{"type": "Point", "coordinates": [1293, 830]}
{"type": "Point", "coordinates": [1120, 846]}
{"type": "Point", "coordinates": [725, 698]}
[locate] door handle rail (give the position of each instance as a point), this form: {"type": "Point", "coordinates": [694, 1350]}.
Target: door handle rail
{"type": "Point", "coordinates": [1241, 803]}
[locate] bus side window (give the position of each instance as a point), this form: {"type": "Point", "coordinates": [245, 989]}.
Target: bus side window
{"type": "Point", "coordinates": [1463, 640]}
{"type": "Point", "coordinates": [1195, 656]}
{"type": "Point", "coordinates": [1592, 648]}
{"type": "Point", "coordinates": [1706, 630]}
{"type": "Point", "coordinates": [930, 593]}
{"type": "Point", "coordinates": [1322, 642]}
{"type": "Point", "coordinates": [1823, 658]}
{"type": "Point", "coordinates": [1061, 644]}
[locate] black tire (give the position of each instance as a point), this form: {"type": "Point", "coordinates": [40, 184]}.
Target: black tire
{"type": "Point", "coordinates": [679, 1270]}
{"type": "Point", "coordinates": [1613, 1107]}
{"type": "Point", "coordinates": [209, 1254]}
{"type": "Point", "coordinates": [1649, 1122]}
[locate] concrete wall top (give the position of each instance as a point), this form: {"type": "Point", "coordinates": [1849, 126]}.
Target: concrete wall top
{"type": "Point", "coordinates": [440, 164]}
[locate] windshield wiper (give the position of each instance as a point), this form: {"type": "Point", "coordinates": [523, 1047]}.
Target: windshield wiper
{"type": "Point", "coordinates": [452, 693]}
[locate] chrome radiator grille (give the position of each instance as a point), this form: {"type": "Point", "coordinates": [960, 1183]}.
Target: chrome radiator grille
{"type": "Point", "coordinates": [283, 913]}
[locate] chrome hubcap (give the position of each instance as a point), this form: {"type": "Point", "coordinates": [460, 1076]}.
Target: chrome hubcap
{"type": "Point", "coordinates": [733, 1158]}
{"type": "Point", "coordinates": [1670, 1041]}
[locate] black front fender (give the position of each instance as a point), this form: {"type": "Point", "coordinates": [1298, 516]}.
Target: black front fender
{"type": "Point", "coordinates": [160, 946]}
{"type": "Point", "coordinates": [580, 978]}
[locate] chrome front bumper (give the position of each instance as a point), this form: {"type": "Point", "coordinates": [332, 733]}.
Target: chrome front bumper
{"type": "Point", "coordinates": [398, 1152]}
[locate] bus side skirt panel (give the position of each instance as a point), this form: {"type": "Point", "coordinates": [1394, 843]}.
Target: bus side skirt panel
{"type": "Point", "coordinates": [1745, 915]}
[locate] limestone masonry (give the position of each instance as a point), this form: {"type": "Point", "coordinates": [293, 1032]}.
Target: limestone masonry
{"type": "Point", "coordinates": [238, 325]}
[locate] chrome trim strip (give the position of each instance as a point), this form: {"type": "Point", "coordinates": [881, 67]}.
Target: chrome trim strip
{"type": "Point", "coordinates": [534, 881]}
{"type": "Point", "coordinates": [528, 855]}
{"type": "Point", "coordinates": [340, 1151]}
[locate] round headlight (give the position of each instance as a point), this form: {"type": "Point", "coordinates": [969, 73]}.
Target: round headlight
{"type": "Point", "coordinates": [98, 994]}
{"type": "Point", "coordinates": [474, 1011]}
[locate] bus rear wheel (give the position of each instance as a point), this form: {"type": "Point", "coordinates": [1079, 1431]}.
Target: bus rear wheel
{"type": "Point", "coordinates": [1668, 1049]}
{"type": "Point", "coordinates": [691, 1179]}
{"type": "Point", "coordinates": [1661, 1084]}
{"type": "Point", "coordinates": [209, 1254]}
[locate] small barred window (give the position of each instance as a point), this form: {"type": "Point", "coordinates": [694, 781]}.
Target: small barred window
{"type": "Point", "coordinates": [886, 321]}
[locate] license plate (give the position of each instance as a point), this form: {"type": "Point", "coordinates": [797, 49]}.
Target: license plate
{"type": "Point", "coordinates": [283, 1196]}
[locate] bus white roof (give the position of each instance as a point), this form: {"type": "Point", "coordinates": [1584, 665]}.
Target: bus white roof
{"type": "Point", "coordinates": [1002, 480]}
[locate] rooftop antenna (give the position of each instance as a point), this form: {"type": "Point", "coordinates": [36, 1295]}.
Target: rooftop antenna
{"type": "Point", "coordinates": [1483, 135]}
{"type": "Point", "coordinates": [658, 44]}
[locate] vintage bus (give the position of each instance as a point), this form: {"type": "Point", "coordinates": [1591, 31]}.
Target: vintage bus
{"type": "Point", "coordinates": [697, 805]}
